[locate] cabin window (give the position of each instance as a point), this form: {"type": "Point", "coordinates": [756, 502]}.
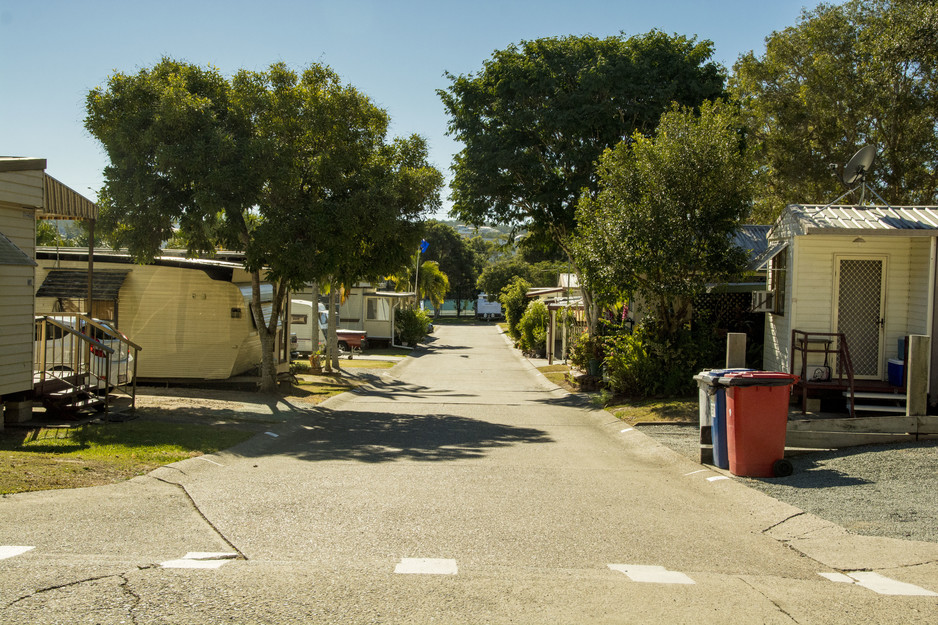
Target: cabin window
{"type": "Point", "coordinates": [379, 309]}
{"type": "Point", "coordinates": [778, 275]}
{"type": "Point", "coordinates": [235, 313]}
{"type": "Point", "coordinates": [300, 320]}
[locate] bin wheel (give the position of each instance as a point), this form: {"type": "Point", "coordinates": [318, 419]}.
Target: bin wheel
{"type": "Point", "coordinates": [782, 468]}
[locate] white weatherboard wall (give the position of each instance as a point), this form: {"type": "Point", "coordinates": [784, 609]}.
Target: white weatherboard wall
{"type": "Point", "coordinates": [181, 318]}
{"type": "Point", "coordinates": [812, 291]}
{"type": "Point", "coordinates": [20, 195]}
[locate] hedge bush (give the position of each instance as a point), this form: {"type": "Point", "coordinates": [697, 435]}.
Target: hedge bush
{"type": "Point", "coordinates": [412, 325]}
{"type": "Point", "coordinates": [533, 328]}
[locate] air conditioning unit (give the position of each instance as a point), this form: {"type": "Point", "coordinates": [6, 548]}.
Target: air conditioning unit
{"type": "Point", "coordinates": [763, 301]}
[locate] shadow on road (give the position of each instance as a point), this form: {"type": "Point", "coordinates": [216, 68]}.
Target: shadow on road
{"type": "Point", "coordinates": [383, 437]}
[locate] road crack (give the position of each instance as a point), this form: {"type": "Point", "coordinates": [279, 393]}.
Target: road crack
{"type": "Point", "coordinates": [780, 609]}
{"type": "Point", "coordinates": [198, 510]}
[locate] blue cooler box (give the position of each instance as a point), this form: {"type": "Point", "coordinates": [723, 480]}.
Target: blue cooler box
{"type": "Point", "coordinates": [896, 370]}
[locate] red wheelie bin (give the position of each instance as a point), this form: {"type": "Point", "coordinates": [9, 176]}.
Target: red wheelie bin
{"type": "Point", "coordinates": [757, 421]}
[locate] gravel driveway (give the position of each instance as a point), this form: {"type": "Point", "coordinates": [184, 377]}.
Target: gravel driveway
{"type": "Point", "coordinates": [876, 490]}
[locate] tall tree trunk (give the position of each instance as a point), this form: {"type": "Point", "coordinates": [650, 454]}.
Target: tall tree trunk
{"type": "Point", "coordinates": [314, 289]}
{"type": "Point", "coordinates": [267, 337]}
{"type": "Point", "coordinates": [332, 339]}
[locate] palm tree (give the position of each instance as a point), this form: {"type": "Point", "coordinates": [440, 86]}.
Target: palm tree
{"type": "Point", "coordinates": [433, 283]}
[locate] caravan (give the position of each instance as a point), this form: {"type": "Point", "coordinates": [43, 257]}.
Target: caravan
{"type": "Point", "coordinates": [304, 322]}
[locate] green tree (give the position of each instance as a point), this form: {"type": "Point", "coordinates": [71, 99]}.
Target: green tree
{"type": "Point", "coordinates": [847, 75]}
{"type": "Point", "coordinates": [267, 162]}
{"type": "Point", "coordinates": [457, 259]}
{"type": "Point", "coordinates": [47, 233]}
{"type": "Point", "coordinates": [662, 224]}
{"type": "Point", "coordinates": [498, 275]}
{"type": "Point", "coordinates": [537, 117]}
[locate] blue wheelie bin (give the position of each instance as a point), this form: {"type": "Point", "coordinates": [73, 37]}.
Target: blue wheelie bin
{"type": "Point", "coordinates": [712, 398]}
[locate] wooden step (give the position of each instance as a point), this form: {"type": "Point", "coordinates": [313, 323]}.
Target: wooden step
{"type": "Point", "coordinates": [875, 395]}
{"type": "Point", "coordinates": [879, 408]}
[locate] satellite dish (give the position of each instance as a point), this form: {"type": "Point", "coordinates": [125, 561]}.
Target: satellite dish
{"type": "Point", "coordinates": [857, 166]}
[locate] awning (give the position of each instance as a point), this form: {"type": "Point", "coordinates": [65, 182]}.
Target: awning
{"type": "Point", "coordinates": [73, 283]}
{"type": "Point", "coordinates": [62, 202]}
{"type": "Point", "coordinates": [763, 259]}
{"type": "Point", "coordinates": [10, 254]}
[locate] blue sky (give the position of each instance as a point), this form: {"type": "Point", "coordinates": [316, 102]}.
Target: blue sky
{"type": "Point", "coordinates": [52, 52]}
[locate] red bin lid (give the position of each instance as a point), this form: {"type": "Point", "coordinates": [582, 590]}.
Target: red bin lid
{"type": "Point", "coordinates": [759, 378]}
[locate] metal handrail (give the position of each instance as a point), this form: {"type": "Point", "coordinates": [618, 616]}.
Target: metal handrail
{"type": "Point", "coordinates": [799, 342]}
{"type": "Point", "coordinates": [80, 360]}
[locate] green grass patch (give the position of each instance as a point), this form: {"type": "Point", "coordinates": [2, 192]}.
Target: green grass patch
{"type": "Point", "coordinates": [96, 454]}
{"type": "Point", "coordinates": [653, 410]}
{"type": "Point", "coordinates": [559, 375]}
{"type": "Point", "coordinates": [364, 363]}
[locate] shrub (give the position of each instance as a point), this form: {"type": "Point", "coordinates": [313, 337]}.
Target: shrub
{"type": "Point", "coordinates": [584, 349]}
{"type": "Point", "coordinates": [514, 300]}
{"type": "Point", "coordinates": [411, 325]}
{"type": "Point", "coordinates": [533, 328]}
{"type": "Point", "coordinates": [640, 365]}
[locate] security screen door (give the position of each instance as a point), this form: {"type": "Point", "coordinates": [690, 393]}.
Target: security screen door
{"type": "Point", "coordinates": [860, 296]}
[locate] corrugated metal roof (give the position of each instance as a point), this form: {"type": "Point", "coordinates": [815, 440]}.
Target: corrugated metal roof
{"type": "Point", "coordinates": [73, 283]}
{"type": "Point", "coordinates": [821, 219]}
{"type": "Point", "coordinates": [10, 254]}
{"type": "Point", "coordinates": [752, 238]}
{"type": "Point", "coordinates": [62, 202]}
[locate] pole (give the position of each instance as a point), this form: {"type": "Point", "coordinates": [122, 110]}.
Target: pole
{"type": "Point", "coordinates": [416, 280]}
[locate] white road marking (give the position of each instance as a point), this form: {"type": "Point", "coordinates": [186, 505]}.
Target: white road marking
{"type": "Point", "coordinates": [717, 478]}
{"type": "Point", "coordinates": [695, 472]}
{"type": "Point", "coordinates": [193, 564]}
{"type": "Point", "coordinates": [200, 560]}
{"type": "Point", "coordinates": [217, 464]}
{"type": "Point", "coordinates": [885, 586]}
{"type": "Point", "coordinates": [626, 430]}
{"type": "Point", "coordinates": [651, 574]}
{"type": "Point", "coordinates": [426, 566]}
{"type": "Point", "coordinates": [8, 551]}
{"type": "Point", "coordinates": [272, 434]}
{"type": "Point", "coordinates": [209, 555]}
{"type": "Point", "coordinates": [840, 578]}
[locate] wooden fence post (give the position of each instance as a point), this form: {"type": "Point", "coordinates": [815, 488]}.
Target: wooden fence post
{"type": "Point", "coordinates": [735, 350]}
{"type": "Point", "coordinates": [916, 375]}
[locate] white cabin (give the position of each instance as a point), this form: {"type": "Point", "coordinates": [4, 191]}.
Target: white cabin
{"type": "Point", "coordinates": [866, 272]}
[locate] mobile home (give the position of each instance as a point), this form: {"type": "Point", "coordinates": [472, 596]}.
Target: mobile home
{"type": "Point", "coordinates": [367, 309]}
{"type": "Point", "coordinates": [308, 323]}
{"type": "Point", "coordinates": [191, 317]}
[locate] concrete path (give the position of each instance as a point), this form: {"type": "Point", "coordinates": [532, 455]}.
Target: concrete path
{"type": "Point", "coordinates": [462, 488]}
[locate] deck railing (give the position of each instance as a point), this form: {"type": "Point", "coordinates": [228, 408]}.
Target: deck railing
{"type": "Point", "coordinates": [80, 361]}
{"type": "Point", "coordinates": [830, 344]}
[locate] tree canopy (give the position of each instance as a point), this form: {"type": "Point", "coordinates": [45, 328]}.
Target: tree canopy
{"type": "Point", "coordinates": [536, 118]}
{"type": "Point", "coordinates": [847, 75]}
{"type": "Point", "coordinates": [293, 169]}
{"type": "Point", "coordinates": [662, 224]}
{"type": "Point", "coordinates": [457, 259]}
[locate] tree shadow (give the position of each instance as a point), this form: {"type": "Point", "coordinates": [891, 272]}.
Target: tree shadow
{"type": "Point", "coordinates": [375, 437]}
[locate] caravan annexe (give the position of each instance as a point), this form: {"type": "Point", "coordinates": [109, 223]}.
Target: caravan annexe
{"type": "Point", "coordinates": [191, 317]}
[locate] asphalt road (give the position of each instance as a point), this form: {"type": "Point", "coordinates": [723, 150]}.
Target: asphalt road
{"type": "Point", "coordinates": [460, 488]}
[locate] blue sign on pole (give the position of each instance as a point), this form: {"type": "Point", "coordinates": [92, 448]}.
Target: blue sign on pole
{"type": "Point", "coordinates": [423, 245]}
